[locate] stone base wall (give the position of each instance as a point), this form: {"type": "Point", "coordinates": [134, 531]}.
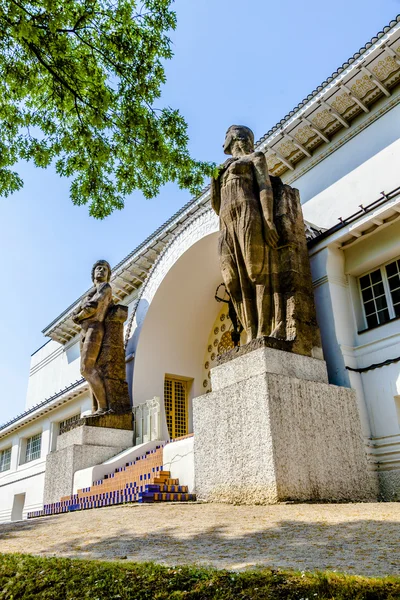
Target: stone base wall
{"type": "Point", "coordinates": [389, 485]}
{"type": "Point", "coordinates": [77, 449]}
{"type": "Point", "coordinates": [272, 437]}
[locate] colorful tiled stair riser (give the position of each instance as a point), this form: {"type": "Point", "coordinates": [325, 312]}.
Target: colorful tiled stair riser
{"type": "Point", "coordinates": [142, 480]}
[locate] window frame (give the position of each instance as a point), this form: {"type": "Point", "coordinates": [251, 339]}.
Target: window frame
{"type": "Point", "coordinates": [388, 295]}
{"type": "Point", "coordinates": [33, 455]}
{"type": "Point", "coordinates": [2, 453]}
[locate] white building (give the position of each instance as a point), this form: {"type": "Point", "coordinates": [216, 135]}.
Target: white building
{"type": "Point", "coordinates": [341, 148]}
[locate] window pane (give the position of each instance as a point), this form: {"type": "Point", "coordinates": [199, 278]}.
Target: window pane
{"type": "Point", "coordinates": [374, 296]}
{"type": "Point", "coordinates": [367, 294]}
{"type": "Point", "coordinates": [383, 316]}
{"type": "Point", "coordinates": [372, 320]}
{"type": "Point", "coordinates": [365, 281]}
{"type": "Point", "coordinates": [33, 446]}
{"type": "Point", "coordinates": [379, 290]}
{"type": "Point", "coordinates": [396, 296]}
{"type": "Point", "coordinates": [381, 302]}
{"type": "Point", "coordinates": [376, 276]}
{"type": "Point", "coordinates": [5, 460]}
{"type": "Point", "coordinates": [369, 307]}
{"type": "Point", "coordinates": [391, 269]}
{"type": "Point", "coordinates": [394, 282]}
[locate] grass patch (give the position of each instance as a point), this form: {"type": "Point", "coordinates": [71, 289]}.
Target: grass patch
{"type": "Point", "coordinates": [24, 577]}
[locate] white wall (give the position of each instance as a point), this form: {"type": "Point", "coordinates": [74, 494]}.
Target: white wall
{"type": "Point", "coordinates": [178, 458]}
{"type": "Point", "coordinates": [53, 367]}
{"type": "Point", "coordinates": [28, 478]}
{"type": "Point", "coordinates": [175, 330]}
{"type": "Point", "coordinates": [354, 174]}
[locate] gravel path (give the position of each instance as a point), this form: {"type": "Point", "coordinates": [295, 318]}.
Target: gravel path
{"type": "Point", "coordinates": [360, 539]}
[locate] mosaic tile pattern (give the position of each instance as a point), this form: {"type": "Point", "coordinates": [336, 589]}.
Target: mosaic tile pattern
{"type": "Point", "coordinates": [142, 480]}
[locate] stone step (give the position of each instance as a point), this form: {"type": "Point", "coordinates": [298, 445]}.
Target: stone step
{"type": "Point", "coordinates": [142, 480]}
{"type": "Point", "coordinates": [166, 481]}
{"type": "Point", "coordinates": [165, 497]}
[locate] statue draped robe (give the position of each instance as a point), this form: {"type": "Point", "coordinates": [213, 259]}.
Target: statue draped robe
{"type": "Point", "coordinates": [249, 266]}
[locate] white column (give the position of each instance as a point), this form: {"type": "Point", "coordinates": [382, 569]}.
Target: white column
{"type": "Point", "coordinates": [337, 324]}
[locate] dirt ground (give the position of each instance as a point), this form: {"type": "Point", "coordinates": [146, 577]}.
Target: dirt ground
{"type": "Point", "coordinates": [361, 539]}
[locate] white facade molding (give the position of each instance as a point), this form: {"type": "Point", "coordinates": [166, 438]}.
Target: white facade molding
{"type": "Point", "coordinates": [361, 227]}
{"type": "Point", "coordinates": [201, 225]}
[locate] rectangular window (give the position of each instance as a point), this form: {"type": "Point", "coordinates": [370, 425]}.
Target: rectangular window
{"type": "Point", "coordinates": [374, 299]}
{"type": "Point", "coordinates": [380, 294]}
{"type": "Point", "coordinates": [33, 447]}
{"type": "Point", "coordinates": [5, 459]}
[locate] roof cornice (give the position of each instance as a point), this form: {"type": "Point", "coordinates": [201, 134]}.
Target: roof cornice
{"type": "Point", "coordinates": [366, 79]}
{"type": "Point", "coordinates": [331, 81]}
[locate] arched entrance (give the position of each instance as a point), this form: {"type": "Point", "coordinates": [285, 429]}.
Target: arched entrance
{"type": "Point", "coordinates": [174, 318]}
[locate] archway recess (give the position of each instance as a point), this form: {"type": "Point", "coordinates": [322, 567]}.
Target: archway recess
{"type": "Point", "coordinates": [175, 315]}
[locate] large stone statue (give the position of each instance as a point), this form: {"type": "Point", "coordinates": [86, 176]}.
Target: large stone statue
{"type": "Point", "coordinates": [262, 248]}
{"type": "Point", "coordinates": [102, 348]}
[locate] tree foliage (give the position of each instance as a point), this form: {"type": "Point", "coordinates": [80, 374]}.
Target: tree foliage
{"type": "Point", "coordinates": [79, 80]}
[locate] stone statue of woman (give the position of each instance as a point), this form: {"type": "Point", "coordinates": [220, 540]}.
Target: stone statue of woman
{"type": "Point", "coordinates": [242, 196]}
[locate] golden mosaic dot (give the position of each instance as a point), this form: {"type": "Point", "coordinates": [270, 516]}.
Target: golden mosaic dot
{"type": "Point", "coordinates": [213, 356]}
{"type": "Point", "coordinates": [209, 374]}
{"type": "Point", "coordinates": [208, 391]}
{"type": "Point", "coordinates": [216, 330]}
{"type": "Point", "coordinates": [223, 327]}
{"type": "Point", "coordinates": [205, 383]}
{"type": "Point", "coordinates": [207, 365]}
{"type": "Point", "coordinates": [215, 342]}
{"type": "Point", "coordinates": [226, 343]}
{"type": "Point", "coordinates": [210, 348]}
{"type": "Point", "coordinates": [222, 318]}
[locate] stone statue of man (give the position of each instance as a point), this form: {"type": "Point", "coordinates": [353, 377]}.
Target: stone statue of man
{"type": "Point", "coordinates": [90, 315]}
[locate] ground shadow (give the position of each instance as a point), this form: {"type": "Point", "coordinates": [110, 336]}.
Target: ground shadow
{"type": "Point", "coordinates": [363, 547]}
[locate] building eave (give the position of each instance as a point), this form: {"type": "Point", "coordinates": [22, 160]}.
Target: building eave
{"type": "Point", "coordinates": [49, 404]}
{"type": "Point", "coordinates": [357, 227]}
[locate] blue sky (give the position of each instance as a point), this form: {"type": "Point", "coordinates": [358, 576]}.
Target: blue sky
{"type": "Point", "coordinates": [235, 62]}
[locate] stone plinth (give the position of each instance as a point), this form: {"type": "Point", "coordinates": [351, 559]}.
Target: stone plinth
{"type": "Point", "coordinates": [274, 430]}
{"type": "Point", "coordinates": [77, 449]}
{"type": "Point", "coordinates": [122, 421]}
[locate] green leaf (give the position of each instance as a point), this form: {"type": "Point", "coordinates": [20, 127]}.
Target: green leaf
{"type": "Point", "coordinates": [78, 84]}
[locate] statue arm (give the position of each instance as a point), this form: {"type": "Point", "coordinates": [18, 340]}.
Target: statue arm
{"type": "Point", "coordinates": [216, 194]}
{"type": "Point", "coordinates": [90, 307]}
{"type": "Point", "coordinates": [87, 310]}
{"type": "Point", "coordinates": [266, 198]}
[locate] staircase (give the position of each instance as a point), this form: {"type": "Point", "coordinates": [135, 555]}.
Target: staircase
{"type": "Point", "coordinates": [142, 480]}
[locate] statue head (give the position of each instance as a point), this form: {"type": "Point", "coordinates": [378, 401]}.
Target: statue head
{"type": "Point", "coordinates": [241, 134]}
{"type": "Point", "coordinates": [101, 271]}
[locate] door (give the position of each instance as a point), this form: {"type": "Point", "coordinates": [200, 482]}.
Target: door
{"type": "Point", "coordinates": [18, 507]}
{"type": "Point", "coordinates": [176, 406]}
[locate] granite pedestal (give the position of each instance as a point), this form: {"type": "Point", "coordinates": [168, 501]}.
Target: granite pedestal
{"type": "Point", "coordinates": [274, 430]}
{"type": "Point", "coordinates": [79, 448]}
